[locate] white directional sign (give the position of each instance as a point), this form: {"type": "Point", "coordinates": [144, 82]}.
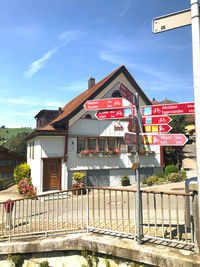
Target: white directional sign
{"type": "Point", "coordinates": [172, 21]}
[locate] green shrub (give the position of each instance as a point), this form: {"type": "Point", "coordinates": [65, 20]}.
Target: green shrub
{"type": "Point", "coordinates": [160, 174]}
{"type": "Point", "coordinates": [184, 174]}
{"type": "Point", "coordinates": [170, 169]}
{"type": "Point", "coordinates": [17, 259]}
{"type": "Point", "coordinates": [175, 177]}
{"type": "Point", "coordinates": [125, 177]}
{"type": "Point", "coordinates": [21, 171]}
{"type": "Point", "coordinates": [152, 180]}
{"type": "Point", "coordinates": [44, 264]}
{"type": "Point", "coordinates": [144, 181]}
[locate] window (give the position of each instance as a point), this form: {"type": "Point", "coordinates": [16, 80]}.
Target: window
{"type": "Point", "coordinates": [122, 146]}
{"type": "Point", "coordinates": [92, 144]}
{"type": "Point", "coordinates": [116, 94]}
{"type": "Point", "coordinates": [102, 145]}
{"type": "Point", "coordinates": [82, 144]}
{"type": "Point", "coordinates": [88, 116]}
{"type": "Point", "coordinates": [33, 150]}
{"type": "Point", "coordinates": [30, 150]}
{"type": "Point", "coordinates": [112, 144]}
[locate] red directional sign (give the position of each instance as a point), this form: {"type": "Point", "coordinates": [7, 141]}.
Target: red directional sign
{"type": "Point", "coordinates": [165, 139]}
{"type": "Point", "coordinates": [172, 109]}
{"type": "Point", "coordinates": [156, 120]}
{"type": "Point", "coordinates": [130, 139]}
{"type": "Point", "coordinates": [113, 103]}
{"type": "Point", "coordinates": [126, 93]}
{"type": "Point", "coordinates": [114, 114]}
{"type": "Point", "coordinates": [156, 128]}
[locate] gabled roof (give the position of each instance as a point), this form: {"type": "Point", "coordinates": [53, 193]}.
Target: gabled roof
{"type": "Point", "coordinates": [76, 104]}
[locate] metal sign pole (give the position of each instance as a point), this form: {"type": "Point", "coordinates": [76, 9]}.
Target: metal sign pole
{"type": "Point", "coordinates": [196, 81]}
{"type": "Point", "coordinates": [139, 206]}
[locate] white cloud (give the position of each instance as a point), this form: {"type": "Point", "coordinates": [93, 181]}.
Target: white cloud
{"type": "Point", "coordinates": [56, 104]}
{"type": "Point", "coordinates": [126, 8]}
{"type": "Point", "coordinates": [75, 87]}
{"type": "Point", "coordinates": [38, 64]}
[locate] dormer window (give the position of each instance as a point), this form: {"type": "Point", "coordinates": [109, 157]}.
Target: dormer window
{"type": "Point", "coordinates": [88, 116]}
{"type": "Point", "coordinates": [116, 94]}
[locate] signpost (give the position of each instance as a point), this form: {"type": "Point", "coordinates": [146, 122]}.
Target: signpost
{"type": "Point", "coordinates": [156, 128]}
{"type": "Point", "coordinates": [114, 114]}
{"type": "Point", "coordinates": [112, 103]}
{"type": "Point", "coordinates": [126, 93]}
{"type": "Point", "coordinates": [165, 139]}
{"type": "Point", "coordinates": [171, 109]}
{"type": "Point", "coordinates": [156, 120]}
{"type": "Point", "coordinates": [172, 21]}
{"type": "Point", "coordinates": [130, 139]}
{"type": "Point", "coordinates": [195, 21]}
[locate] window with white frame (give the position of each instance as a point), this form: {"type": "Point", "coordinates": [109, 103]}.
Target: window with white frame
{"type": "Point", "coordinates": [102, 144]}
{"type": "Point", "coordinates": [82, 144]}
{"type": "Point", "coordinates": [92, 144]}
{"type": "Point", "coordinates": [112, 144]}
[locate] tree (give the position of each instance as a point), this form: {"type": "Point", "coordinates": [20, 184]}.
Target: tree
{"type": "Point", "coordinates": [17, 143]}
{"type": "Point", "coordinates": [174, 154]}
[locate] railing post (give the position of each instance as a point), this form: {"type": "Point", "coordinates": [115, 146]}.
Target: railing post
{"type": "Point", "coordinates": [87, 191]}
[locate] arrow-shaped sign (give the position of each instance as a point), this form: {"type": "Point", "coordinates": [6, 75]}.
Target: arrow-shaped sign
{"type": "Point", "coordinates": [165, 139]}
{"type": "Point", "coordinates": [112, 103]}
{"type": "Point", "coordinates": [156, 120]}
{"type": "Point", "coordinates": [172, 109]}
{"type": "Point", "coordinates": [114, 114]}
{"type": "Point", "coordinates": [126, 93]}
{"type": "Point", "coordinates": [156, 128]}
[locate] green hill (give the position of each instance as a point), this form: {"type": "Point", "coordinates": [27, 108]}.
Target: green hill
{"type": "Point", "coordinates": [6, 133]}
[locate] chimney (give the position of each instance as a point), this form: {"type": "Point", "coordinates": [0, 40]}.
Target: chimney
{"type": "Point", "coordinates": [91, 83]}
{"type": "Point", "coordinates": [60, 110]}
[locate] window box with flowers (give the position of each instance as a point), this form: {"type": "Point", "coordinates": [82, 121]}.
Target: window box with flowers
{"type": "Point", "coordinates": [78, 185]}
{"type": "Point", "coordinates": [94, 153]}
{"type": "Point", "coordinates": [144, 152]}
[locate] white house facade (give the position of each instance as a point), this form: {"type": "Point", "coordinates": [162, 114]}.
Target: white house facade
{"type": "Point", "coordinates": [75, 140]}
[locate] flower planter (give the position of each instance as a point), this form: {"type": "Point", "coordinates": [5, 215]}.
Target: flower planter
{"type": "Point", "coordinates": [125, 182]}
{"type": "Point", "coordinates": [78, 191]}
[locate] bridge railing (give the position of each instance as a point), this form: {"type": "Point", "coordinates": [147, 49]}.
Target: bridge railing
{"type": "Point", "coordinates": [164, 216]}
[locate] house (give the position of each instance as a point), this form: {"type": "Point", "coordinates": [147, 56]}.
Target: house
{"type": "Point", "coordinates": [58, 148]}
{"type": "Point", "coordinates": [8, 161]}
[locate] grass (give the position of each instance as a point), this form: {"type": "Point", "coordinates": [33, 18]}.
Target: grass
{"type": "Point", "coordinates": [8, 132]}
{"type": "Point", "coordinates": [160, 180]}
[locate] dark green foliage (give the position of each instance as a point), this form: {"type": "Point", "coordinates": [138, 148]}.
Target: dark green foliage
{"type": "Point", "coordinates": [17, 259]}
{"type": "Point", "coordinates": [17, 143]}
{"type": "Point", "coordinates": [160, 174]}
{"type": "Point", "coordinates": [174, 154]}
{"type": "Point", "coordinates": [170, 169]}
{"type": "Point", "coordinates": [44, 264]}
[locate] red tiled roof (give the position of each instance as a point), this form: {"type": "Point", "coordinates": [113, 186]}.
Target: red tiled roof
{"type": "Point", "coordinates": [76, 104]}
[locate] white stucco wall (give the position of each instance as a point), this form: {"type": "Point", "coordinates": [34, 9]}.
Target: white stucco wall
{"type": "Point", "coordinates": [35, 164]}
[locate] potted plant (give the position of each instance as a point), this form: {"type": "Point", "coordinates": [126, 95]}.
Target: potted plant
{"type": "Point", "coordinates": [78, 183]}
{"type": "Point", "coordinates": [125, 180]}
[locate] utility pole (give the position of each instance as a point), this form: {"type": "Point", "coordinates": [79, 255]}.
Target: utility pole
{"type": "Point", "coordinates": [196, 82]}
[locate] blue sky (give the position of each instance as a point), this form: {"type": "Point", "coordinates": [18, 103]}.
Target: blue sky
{"type": "Point", "coordinates": [49, 49]}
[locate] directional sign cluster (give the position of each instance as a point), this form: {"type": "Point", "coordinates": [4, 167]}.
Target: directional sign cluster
{"type": "Point", "coordinates": [154, 118]}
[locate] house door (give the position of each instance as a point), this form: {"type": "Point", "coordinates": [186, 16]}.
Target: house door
{"type": "Point", "coordinates": [98, 178]}
{"type": "Point", "coordinates": [51, 174]}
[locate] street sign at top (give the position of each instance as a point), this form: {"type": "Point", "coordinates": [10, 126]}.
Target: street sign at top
{"type": "Point", "coordinates": [171, 21]}
{"type": "Point", "coordinates": [112, 103]}
{"type": "Point", "coordinates": [126, 93]}
{"type": "Point", "coordinates": [171, 109]}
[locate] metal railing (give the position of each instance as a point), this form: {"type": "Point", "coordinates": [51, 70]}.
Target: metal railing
{"type": "Point", "coordinates": [164, 216]}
